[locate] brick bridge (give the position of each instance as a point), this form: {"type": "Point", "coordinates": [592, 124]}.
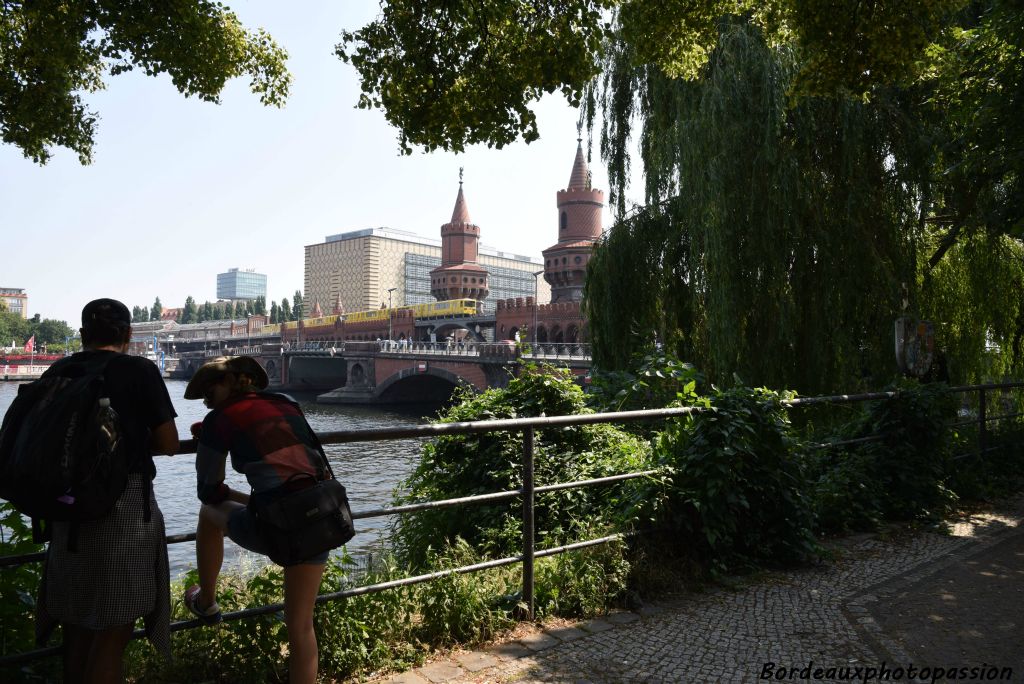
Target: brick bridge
{"type": "Point", "coordinates": [372, 372]}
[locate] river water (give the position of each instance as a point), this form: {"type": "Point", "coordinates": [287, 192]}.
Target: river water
{"type": "Point", "coordinates": [370, 471]}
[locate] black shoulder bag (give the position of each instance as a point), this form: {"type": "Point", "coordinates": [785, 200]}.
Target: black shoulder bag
{"type": "Point", "coordinates": [298, 525]}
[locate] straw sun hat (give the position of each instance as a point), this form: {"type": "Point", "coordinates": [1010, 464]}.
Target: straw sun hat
{"type": "Point", "coordinates": [213, 370]}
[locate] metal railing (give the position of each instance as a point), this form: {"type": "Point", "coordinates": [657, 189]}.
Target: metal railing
{"type": "Point", "coordinates": [527, 426]}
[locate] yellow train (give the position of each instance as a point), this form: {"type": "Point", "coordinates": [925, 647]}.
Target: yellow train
{"type": "Point", "coordinates": [446, 309]}
{"type": "Point", "coordinates": [320, 321]}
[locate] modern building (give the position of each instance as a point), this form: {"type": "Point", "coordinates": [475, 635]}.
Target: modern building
{"type": "Point", "coordinates": [239, 285]}
{"type": "Point", "coordinates": [353, 271]}
{"type": "Point", "coordinates": [16, 300]}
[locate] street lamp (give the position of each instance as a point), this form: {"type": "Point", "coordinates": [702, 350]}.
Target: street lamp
{"type": "Point", "coordinates": [248, 330]}
{"type": "Point", "coordinates": [390, 315]}
{"type": "Point", "coordinates": [536, 282]}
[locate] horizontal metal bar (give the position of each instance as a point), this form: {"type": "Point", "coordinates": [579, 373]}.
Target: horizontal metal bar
{"type": "Point", "coordinates": [444, 503]}
{"type": "Point", "coordinates": [345, 593]}
{"type": "Point", "coordinates": [839, 398]}
{"type": "Point", "coordinates": [599, 480]}
{"type": "Point", "coordinates": [395, 510]}
{"type": "Point", "coordinates": [471, 427]}
{"type": "Point", "coordinates": [844, 442]}
{"type": "Point", "coordinates": [22, 559]}
{"type": "Point", "coordinates": [987, 386]}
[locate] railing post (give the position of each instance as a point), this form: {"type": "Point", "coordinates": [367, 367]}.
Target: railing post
{"type": "Point", "coordinates": [528, 521]}
{"type": "Point", "coordinates": [982, 433]}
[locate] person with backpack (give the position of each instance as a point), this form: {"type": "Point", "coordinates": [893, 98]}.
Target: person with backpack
{"type": "Point", "coordinates": [102, 574]}
{"type": "Point", "coordinates": [270, 441]}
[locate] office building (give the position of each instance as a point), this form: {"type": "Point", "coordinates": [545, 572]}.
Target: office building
{"type": "Point", "coordinates": [238, 285]}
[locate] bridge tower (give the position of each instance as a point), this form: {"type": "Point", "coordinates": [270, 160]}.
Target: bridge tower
{"type": "Point", "coordinates": [459, 276]}
{"type": "Point", "coordinates": [579, 227]}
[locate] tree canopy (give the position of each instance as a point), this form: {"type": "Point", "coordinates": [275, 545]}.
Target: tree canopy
{"type": "Point", "coordinates": [52, 52]}
{"type": "Point", "coordinates": [451, 74]}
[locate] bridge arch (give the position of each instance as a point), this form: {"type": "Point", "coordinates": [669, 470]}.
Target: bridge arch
{"type": "Point", "coordinates": [411, 385]}
{"type": "Point", "coordinates": [443, 330]}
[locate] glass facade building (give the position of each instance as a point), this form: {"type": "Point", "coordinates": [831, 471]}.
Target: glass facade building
{"type": "Point", "coordinates": [504, 282]}
{"type": "Point", "coordinates": [238, 284]}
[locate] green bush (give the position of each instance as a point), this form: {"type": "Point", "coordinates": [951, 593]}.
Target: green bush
{"type": "Point", "coordinates": [842, 491]}
{"type": "Point", "coordinates": [465, 608]}
{"type": "Point", "coordinates": [466, 465]}
{"type": "Point", "coordinates": [736, 490]}
{"type": "Point", "coordinates": [997, 473]}
{"type": "Point", "coordinates": [909, 466]}
{"type": "Point", "coordinates": [583, 583]}
{"type": "Point", "coordinates": [369, 632]}
{"type": "Point", "coordinates": [18, 587]}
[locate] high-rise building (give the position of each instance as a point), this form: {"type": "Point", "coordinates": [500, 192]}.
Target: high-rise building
{"type": "Point", "coordinates": [236, 284]}
{"type": "Point", "coordinates": [16, 300]}
{"type": "Point", "coordinates": [353, 271]}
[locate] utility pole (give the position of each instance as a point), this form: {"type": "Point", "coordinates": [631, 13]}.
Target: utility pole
{"type": "Point", "coordinates": [390, 315]}
{"type": "Point", "coordinates": [533, 347]}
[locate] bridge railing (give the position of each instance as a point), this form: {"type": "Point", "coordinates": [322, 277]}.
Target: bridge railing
{"type": "Point", "coordinates": [976, 414]}
{"type": "Point", "coordinates": [501, 349]}
{"type": "Point", "coordinates": [558, 350]}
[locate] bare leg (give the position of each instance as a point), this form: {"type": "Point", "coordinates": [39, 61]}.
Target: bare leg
{"type": "Point", "coordinates": [77, 644]}
{"type": "Point", "coordinates": [213, 523]}
{"type": "Point", "coordinates": [95, 656]}
{"type": "Point", "coordinates": [301, 585]}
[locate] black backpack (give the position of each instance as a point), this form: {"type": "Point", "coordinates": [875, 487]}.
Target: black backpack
{"type": "Point", "coordinates": [60, 455]}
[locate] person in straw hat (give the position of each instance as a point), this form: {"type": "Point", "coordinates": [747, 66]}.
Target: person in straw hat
{"type": "Point", "coordinates": [272, 444]}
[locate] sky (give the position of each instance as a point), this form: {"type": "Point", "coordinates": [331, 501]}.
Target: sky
{"type": "Point", "coordinates": [180, 190]}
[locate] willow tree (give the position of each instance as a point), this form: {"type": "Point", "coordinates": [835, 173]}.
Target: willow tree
{"type": "Point", "coordinates": [776, 237]}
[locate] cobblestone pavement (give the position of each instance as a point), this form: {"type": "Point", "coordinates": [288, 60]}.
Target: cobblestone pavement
{"type": "Point", "coordinates": [848, 613]}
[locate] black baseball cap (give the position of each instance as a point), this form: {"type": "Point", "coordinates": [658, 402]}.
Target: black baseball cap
{"type": "Point", "coordinates": [107, 313]}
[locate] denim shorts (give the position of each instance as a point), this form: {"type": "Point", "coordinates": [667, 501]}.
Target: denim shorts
{"type": "Point", "coordinates": [243, 531]}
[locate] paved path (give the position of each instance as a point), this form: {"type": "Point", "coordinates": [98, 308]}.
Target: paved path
{"type": "Point", "coordinates": [923, 599]}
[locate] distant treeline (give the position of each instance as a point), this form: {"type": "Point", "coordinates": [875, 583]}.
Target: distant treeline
{"type": "Point", "coordinates": [219, 311]}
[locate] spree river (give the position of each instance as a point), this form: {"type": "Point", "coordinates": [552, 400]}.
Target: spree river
{"type": "Point", "coordinates": [370, 471]}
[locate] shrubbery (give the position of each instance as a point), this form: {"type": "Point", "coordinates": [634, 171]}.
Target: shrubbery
{"type": "Point", "coordinates": [466, 465]}
{"type": "Point", "coordinates": [734, 489]}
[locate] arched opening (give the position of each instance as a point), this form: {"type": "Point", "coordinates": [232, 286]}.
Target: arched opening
{"type": "Point", "coordinates": [556, 335]}
{"type": "Point", "coordinates": [572, 334]}
{"type": "Point", "coordinates": [563, 221]}
{"type": "Point", "coordinates": [357, 375]}
{"type": "Point", "coordinates": [542, 334]}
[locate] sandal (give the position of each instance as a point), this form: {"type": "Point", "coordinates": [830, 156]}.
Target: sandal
{"type": "Point", "coordinates": [208, 616]}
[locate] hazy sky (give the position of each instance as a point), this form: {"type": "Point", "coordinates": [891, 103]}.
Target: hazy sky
{"type": "Point", "coordinates": [180, 190]}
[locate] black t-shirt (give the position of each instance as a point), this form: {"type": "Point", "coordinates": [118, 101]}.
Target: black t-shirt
{"type": "Point", "coordinates": [138, 395]}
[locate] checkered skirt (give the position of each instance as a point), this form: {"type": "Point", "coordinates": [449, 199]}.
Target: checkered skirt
{"type": "Point", "coordinates": [118, 574]}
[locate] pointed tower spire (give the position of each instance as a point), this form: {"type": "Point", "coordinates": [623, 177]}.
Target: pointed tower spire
{"type": "Point", "coordinates": [580, 178]}
{"type": "Point", "coordinates": [579, 227]}
{"type": "Point", "coordinates": [461, 212]}
{"type": "Point", "coordinates": [339, 308]}
{"type": "Point", "coordinates": [459, 276]}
